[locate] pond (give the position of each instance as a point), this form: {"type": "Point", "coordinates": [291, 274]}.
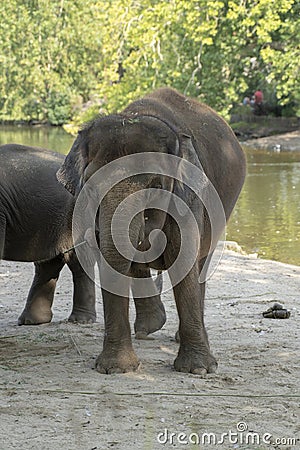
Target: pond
{"type": "Point", "coordinates": [53, 138]}
{"type": "Point", "coordinates": [266, 219]}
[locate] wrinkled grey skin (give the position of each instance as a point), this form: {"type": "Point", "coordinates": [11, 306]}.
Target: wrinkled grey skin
{"type": "Point", "coordinates": [164, 122]}
{"type": "Point", "coordinates": [35, 226]}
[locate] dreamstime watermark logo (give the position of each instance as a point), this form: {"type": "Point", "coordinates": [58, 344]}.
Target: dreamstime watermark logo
{"type": "Point", "coordinates": [240, 436]}
{"type": "Point", "coordinates": [133, 203]}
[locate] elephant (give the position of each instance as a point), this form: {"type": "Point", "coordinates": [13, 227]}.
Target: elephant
{"type": "Point", "coordinates": [160, 127]}
{"type": "Point", "coordinates": [36, 226]}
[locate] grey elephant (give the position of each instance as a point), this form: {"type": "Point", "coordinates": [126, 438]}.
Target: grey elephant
{"type": "Point", "coordinates": [36, 226]}
{"type": "Point", "coordinates": [161, 124]}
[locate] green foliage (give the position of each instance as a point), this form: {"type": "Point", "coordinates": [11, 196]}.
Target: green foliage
{"type": "Point", "coordinates": [47, 53]}
{"type": "Point", "coordinates": [58, 108]}
{"type": "Point", "coordinates": [54, 53]}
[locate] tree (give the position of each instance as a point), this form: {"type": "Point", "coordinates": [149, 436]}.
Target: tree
{"type": "Point", "coordinates": [48, 50]}
{"type": "Point", "coordinates": [214, 50]}
{"type": "Point", "coordinates": [56, 55]}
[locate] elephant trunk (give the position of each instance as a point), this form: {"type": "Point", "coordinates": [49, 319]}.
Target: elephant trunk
{"type": "Point", "coordinates": [120, 237]}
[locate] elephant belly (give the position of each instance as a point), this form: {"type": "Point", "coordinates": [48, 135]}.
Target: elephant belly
{"type": "Point", "coordinates": [27, 247]}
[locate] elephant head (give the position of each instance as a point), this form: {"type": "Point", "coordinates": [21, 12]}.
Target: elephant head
{"type": "Point", "coordinates": [110, 139]}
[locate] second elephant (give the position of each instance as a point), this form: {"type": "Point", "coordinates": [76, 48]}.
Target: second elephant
{"type": "Point", "coordinates": [35, 226]}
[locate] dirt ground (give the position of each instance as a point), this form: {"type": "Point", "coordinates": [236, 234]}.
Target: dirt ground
{"type": "Point", "coordinates": [52, 398]}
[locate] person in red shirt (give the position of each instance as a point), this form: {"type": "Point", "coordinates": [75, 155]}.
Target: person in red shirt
{"type": "Point", "coordinates": [258, 97]}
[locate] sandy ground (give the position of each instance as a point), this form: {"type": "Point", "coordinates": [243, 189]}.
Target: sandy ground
{"type": "Point", "coordinates": [51, 398]}
{"type": "Point", "coordinates": [286, 142]}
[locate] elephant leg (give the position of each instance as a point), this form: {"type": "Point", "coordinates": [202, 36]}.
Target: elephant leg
{"type": "Point", "coordinates": [84, 296]}
{"type": "Point", "coordinates": [118, 355]}
{"type": "Point", "coordinates": [194, 353]}
{"type": "Point", "coordinates": [150, 312]}
{"type": "Point", "coordinates": [40, 298]}
{"type": "Point", "coordinates": [2, 234]}
{"type": "Point", "coordinates": [202, 293]}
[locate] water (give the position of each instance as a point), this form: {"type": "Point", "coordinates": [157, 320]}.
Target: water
{"type": "Point", "coordinates": [53, 138]}
{"type": "Point", "coordinates": [266, 219]}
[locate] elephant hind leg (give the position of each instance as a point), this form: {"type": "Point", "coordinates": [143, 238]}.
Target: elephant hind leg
{"type": "Point", "coordinates": [2, 234]}
{"type": "Point", "coordinates": [40, 298]}
{"type": "Point", "coordinates": [84, 296]}
{"type": "Point", "coordinates": [150, 316]}
{"type": "Point", "coordinates": [150, 311]}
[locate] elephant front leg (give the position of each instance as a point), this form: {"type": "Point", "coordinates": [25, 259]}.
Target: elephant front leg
{"type": "Point", "coordinates": [40, 298]}
{"type": "Point", "coordinates": [194, 353]}
{"type": "Point", "coordinates": [118, 355]}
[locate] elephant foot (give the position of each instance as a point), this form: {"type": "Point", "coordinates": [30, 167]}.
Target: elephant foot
{"type": "Point", "coordinates": [120, 361]}
{"type": "Point", "coordinates": [82, 316]}
{"type": "Point", "coordinates": [150, 316]}
{"type": "Point", "coordinates": [35, 316]}
{"type": "Point", "coordinates": [198, 362]}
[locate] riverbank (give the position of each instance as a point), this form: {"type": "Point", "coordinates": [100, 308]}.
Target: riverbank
{"type": "Point", "coordinates": [50, 393]}
{"type": "Point", "coordinates": [286, 142]}
{"type": "Point", "coordinates": [267, 132]}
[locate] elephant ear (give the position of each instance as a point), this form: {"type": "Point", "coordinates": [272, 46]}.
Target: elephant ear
{"type": "Point", "coordinates": [188, 153]}
{"type": "Point", "coordinates": [70, 173]}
